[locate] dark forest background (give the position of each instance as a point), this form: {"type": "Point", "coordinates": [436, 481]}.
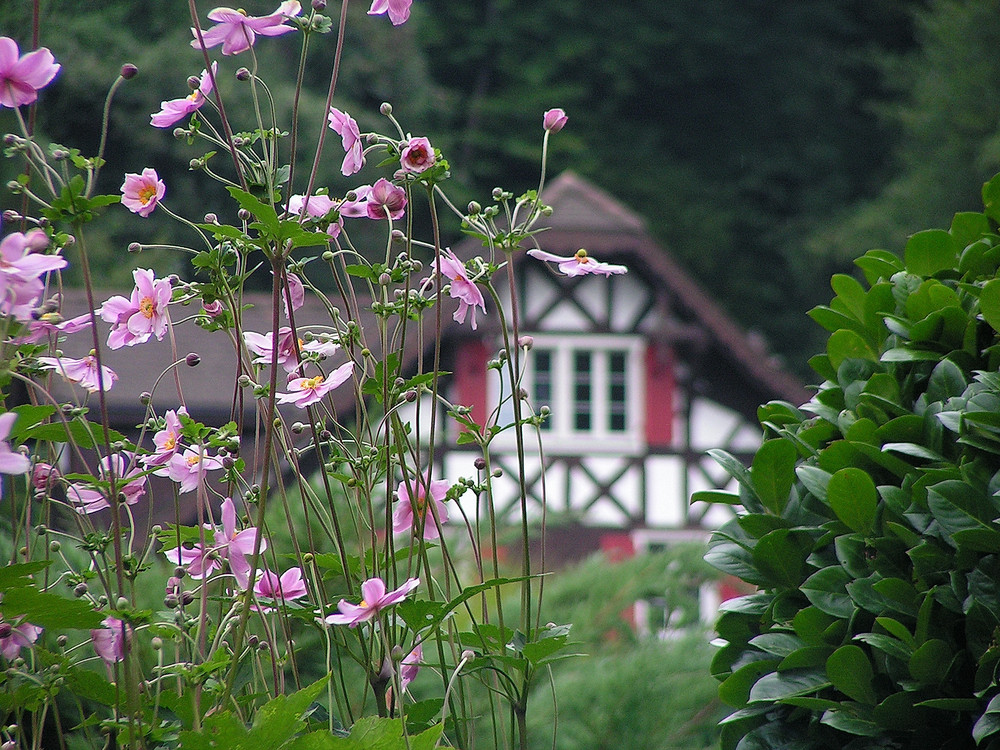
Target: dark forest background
{"type": "Point", "coordinates": [766, 142]}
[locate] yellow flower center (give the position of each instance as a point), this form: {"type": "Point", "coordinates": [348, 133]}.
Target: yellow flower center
{"type": "Point", "coordinates": [581, 256]}
{"type": "Point", "coordinates": [312, 383]}
{"type": "Point", "coordinates": [170, 443]}
{"type": "Point", "coordinates": [146, 307]}
{"type": "Point", "coordinates": [192, 460]}
{"type": "Point", "coordinates": [147, 193]}
{"type": "Point", "coordinates": [363, 603]}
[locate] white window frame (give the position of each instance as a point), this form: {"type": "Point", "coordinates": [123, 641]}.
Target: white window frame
{"type": "Point", "coordinates": [562, 437]}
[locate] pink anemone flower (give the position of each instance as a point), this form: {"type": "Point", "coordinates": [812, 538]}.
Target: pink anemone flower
{"type": "Point", "coordinates": [81, 371]}
{"type": "Point", "coordinates": [21, 268]}
{"type": "Point", "coordinates": [189, 469]}
{"type": "Point", "coordinates": [15, 637]}
{"type": "Point", "coordinates": [374, 599]}
{"type": "Point", "coordinates": [280, 589]}
{"type": "Point", "coordinates": [130, 485]}
{"type": "Point", "coordinates": [398, 10]}
{"type": "Point", "coordinates": [412, 514]}
{"type": "Point", "coordinates": [167, 442]}
{"type": "Point", "coordinates": [141, 192]}
{"type": "Point", "coordinates": [177, 109]}
{"type": "Point", "coordinates": [142, 315]}
{"type": "Point", "coordinates": [308, 391]}
{"type": "Point", "coordinates": [50, 324]}
{"type": "Point", "coordinates": [21, 76]}
{"type": "Point", "coordinates": [417, 156]}
{"type": "Point", "coordinates": [237, 32]}
{"type": "Point", "coordinates": [578, 264]}
{"type": "Point", "coordinates": [111, 639]}
{"type": "Point", "coordinates": [462, 288]}
{"type": "Point", "coordinates": [230, 544]}
{"type": "Point", "coordinates": [11, 462]}
{"type": "Point", "coordinates": [386, 200]}
{"type": "Point", "coordinates": [350, 136]}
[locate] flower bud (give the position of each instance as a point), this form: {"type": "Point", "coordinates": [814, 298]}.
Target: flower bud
{"type": "Point", "coordinates": [242, 74]}
{"type": "Point", "coordinates": [194, 83]}
{"type": "Point", "coordinates": [385, 109]}
{"type": "Point", "coordinates": [318, 5]}
{"type": "Point", "coordinates": [180, 133]}
{"type": "Point", "coordinates": [5, 629]}
{"type": "Point", "coordinates": [526, 342]}
{"type": "Point", "coordinates": [211, 218]}
{"type": "Point", "coordinates": [480, 463]}
{"type": "Point", "coordinates": [192, 360]}
{"type": "Point", "coordinates": [145, 397]}
{"type": "Point", "coordinates": [128, 71]}
{"type": "Point", "coordinates": [243, 214]}
{"type": "Point", "coordinates": [468, 655]}
{"type": "Point", "coordinates": [11, 215]}
{"type": "Point", "coordinates": [80, 589]}
{"type": "Point", "coordinates": [554, 120]}
{"type": "Point", "coordinates": [44, 476]}
{"type": "Point", "coordinates": [474, 208]}
{"type": "Point", "coordinates": [37, 241]}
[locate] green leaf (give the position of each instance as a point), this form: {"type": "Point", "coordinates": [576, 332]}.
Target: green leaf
{"type": "Point", "coordinates": [846, 344]}
{"type": "Point", "coordinates": [17, 576]}
{"type": "Point", "coordinates": [777, 686]}
{"type": "Point", "coordinates": [850, 671]}
{"type": "Point", "coordinates": [49, 610]}
{"type": "Point", "coordinates": [781, 556]}
{"type": "Point", "coordinates": [930, 663]}
{"type": "Point", "coordinates": [991, 198]}
{"type": "Point", "coordinates": [735, 689]}
{"type": "Point", "coordinates": [826, 589]}
{"type": "Point", "coordinates": [989, 723]}
{"type": "Point", "coordinates": [930, 251]}
{"type": "Point", "coordinates": [773, 473]}
{"type": "Point", "coordinates": [989, 303]}
{"type": "Point", "coordinates": [264, 213]}
{"type": "Point", "coordinates": [852, 496]}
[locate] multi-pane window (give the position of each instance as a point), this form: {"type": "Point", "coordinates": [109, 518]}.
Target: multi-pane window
{"type": "Point", "coordinates": [591, 384]}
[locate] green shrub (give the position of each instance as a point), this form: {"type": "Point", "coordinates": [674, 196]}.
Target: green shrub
{"type": "Point", "coordinates": [872, 517]}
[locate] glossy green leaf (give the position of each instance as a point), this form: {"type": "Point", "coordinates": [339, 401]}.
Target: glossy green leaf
{"type": "Point", "coordinates": [850, 671]}
{"type": "Point", "coordinates": [930, 663]}
{"type": "Point", "coordinates": [989, 303]}
{"type": "Point", "coordinates": [989, 723]}
{"type": "Point", "coordinates": [846, 344]}
{"type": "Point", "coordinates": [777, 686]}
{"type": "Point", "coordinates": [852, 496]}
{"type": "Point", "coordinates": [773, 473]}
{"type": "Point", "coordinates": [930, 251]}
{"type": "Point", "coordinates": [826, 590]}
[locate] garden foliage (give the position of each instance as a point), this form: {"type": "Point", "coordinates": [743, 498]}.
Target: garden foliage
{"type": "Point", "coordinates": [872, 517]}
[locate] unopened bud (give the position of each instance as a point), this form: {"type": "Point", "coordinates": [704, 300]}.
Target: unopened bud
{"type": "Point", "coordinates": [468, 655]}
{"type": "Point", "coordinates": [194, 82]}
{"type": "Point", "coordinates": [480, 463]}
{"type": "Point", "coordinates": [36, 241]}
{"type": "Point", "coordinates": [318, 4]}
{"type": "Point", "coordinates": [526, 342]}
{"type": "Point", "coordinates": [243, 214]}
{"type": "Point", "coordinates": [242, 74]}
{"type": "Point", "coordinates": [192, 360]}
{"type": "Point", "coordinates": [385, 109]}
{"type": "Point", "coordinates": [128, 71]}
{"type": "Point", "coordinates": [145, 397]}
{"type": "Point", "coordinates": [474, 208]}
{"type": "Point", "coordinates": [211, 219]}
{"type": "Point", "coordinates": [397, 236]}
{"type": "Point", "coordinates": [80, 589]}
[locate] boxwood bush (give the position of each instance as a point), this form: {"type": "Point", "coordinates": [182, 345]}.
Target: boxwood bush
{"type": "Point", "coordinates": [869, 519]}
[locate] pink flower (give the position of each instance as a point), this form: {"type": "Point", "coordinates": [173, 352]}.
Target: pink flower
{"type": "Point", "coordinates": [554, 120]}
{"type": "Point", "coordinates": [373, 600]}
{"type": "Point", "coordinates": [417, 156]}
{"type": "Point", "coordinates": [21, 76]}
{"type": "Point", "coordinates": [130, 485]}
{"type": "Point", "coordinates": [386, 201]}
{"type": "Point", "coordinates": [141, 192]}
{"type": "Point", "coordinates": [111, 640]}
{"type": "Point", "coordinates": [144, 314]}
{"type": "Point", "coordinates": [411, 513]}
{"type": "Point", "coordinates": [20, 272]}
{"type": "Point", "coordinates": [167, 441]}
{"type": "Point", "coordinates": [578, 264]}
{"type": "Point", "coordinates": [53, 324]}
{"type": "Point", "coordinates": [237, 32]}
{"type": "Point", "coordinates": [81, 371]}
{"type": "Point", "coordinates": [15, 637]}
{"type": "Point", "coordinates": [288, 587]}
{"type": "Point", "coordinates": [462, 288]}
{"type": "Point", "coordinates": [189, 468]}
{"type": "Point", "coordinates": [359, 206]}
{"type": "Point", "coordinates": [11, 462]}
{"type": "Point", "coordinates": [317, 207]}
{"type": "Point", "coordinates": [347, 128]}
{"type": "Point", "coordinates": [308, 391]}
{"type": "Point", "coordinates": [399, 10]}
{"type": "Point", "coordinates": [229, 544]}
{"type": "Point", "coordinates": [177, 109]}
{"type": "Point", "coordinates": [212, 309]}
{"type": "Point", "coordinates": [410, 665]}
{"type": "Point", "coordinates": [262, 345]}
{"type": "Point", "coordinates": [44, 476]}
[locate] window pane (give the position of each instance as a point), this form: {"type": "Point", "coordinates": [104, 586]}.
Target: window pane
{"type": "Point", "coordinates": [617, 396]}
{"type": "Point", "coordinates": [543, 383]}
{"type": "Point", "coordinates": [582, 377]}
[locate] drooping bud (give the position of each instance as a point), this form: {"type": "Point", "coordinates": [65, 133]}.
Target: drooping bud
{"type": "Point", "coordinates": [128, 71]}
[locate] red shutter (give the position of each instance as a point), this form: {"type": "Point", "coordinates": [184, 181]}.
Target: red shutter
{"type": "Point", "coordinates": [470, 378]}
{"type": "Point", "coordinates": [660, 386]}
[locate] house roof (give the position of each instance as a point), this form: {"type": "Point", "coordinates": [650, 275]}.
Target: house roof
{"type": "Point", "coordinates": [738, 370]}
